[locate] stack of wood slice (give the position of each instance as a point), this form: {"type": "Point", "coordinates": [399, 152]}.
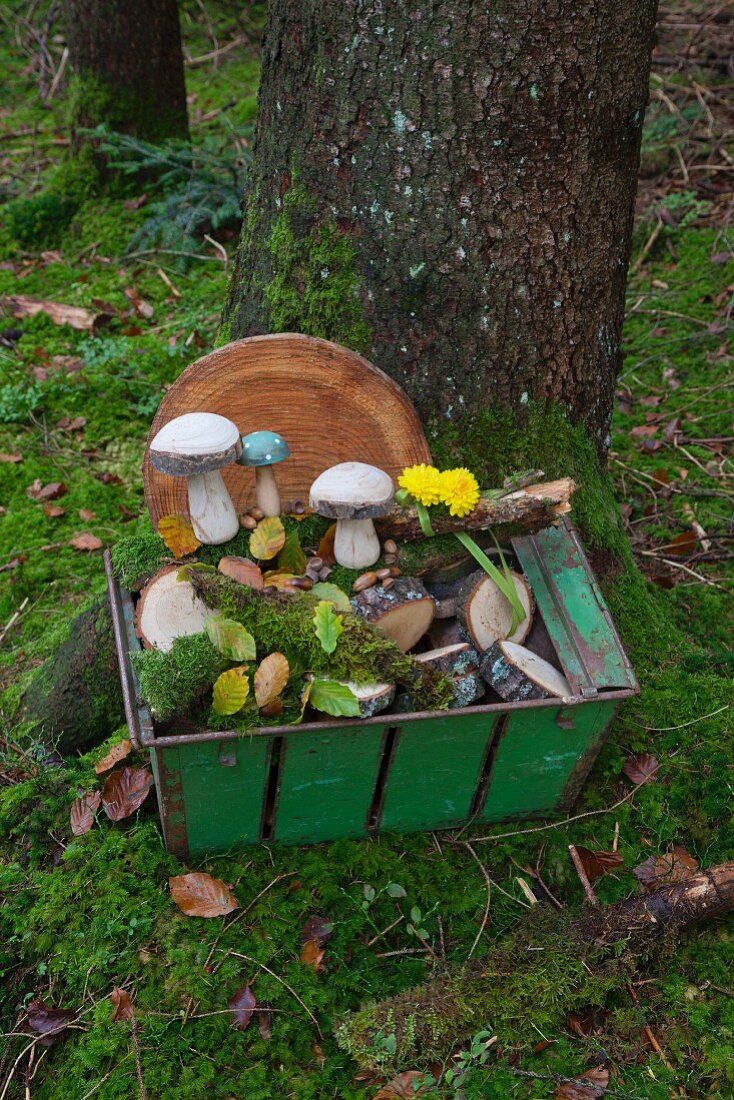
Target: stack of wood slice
{"type": "Point", "coordinates": [485, 614]}
{"type": "Point", "coordinates": [403, 612]}
{"type": "Point", "coordinates": [516, 674]}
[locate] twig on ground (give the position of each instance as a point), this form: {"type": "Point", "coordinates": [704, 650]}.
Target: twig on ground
{"type": "Point", "coordinates": [488, 881]}
{"type": "Point", "coordinates": [584, 878]}
{"type": "Point", "coordinates": [306, 1009]}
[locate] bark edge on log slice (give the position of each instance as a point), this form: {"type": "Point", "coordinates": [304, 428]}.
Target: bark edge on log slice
{"type": "Point", "coordinates": [403, 612]}
{"type": "Point", "coordinates": [485, 613]}
{"type": "Point", "coordinates": [517, 674]}
{"type": "Point", "coordinates": [168, 609]}
{"type": "Point", "coordinates": [372, 698]}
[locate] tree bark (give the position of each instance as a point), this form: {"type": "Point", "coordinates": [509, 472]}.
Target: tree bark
{"type": "Point", "coordinates": [449, 189]}
{"type": "Point", "coordinates": [127, 68]}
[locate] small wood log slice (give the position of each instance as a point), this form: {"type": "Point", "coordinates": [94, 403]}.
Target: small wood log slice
{"type": "Point", "coordinates": [403, 612]}
{"type": "Point", "coordinates": [516, 674]}
{"type": "Point", "coordinates": [242, 570]}
{"type": "Point", "coordinates": [485, 613]}
{"type": "Point", "coordinates": [460, 662]}
{"type": "Point", "coordinates": [168, 609]}
{"type": "Point", "coordinates": [373, 698]}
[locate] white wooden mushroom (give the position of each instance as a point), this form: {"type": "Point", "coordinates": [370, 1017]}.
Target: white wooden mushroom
{"type": "Point", "coordinates": [196, 446]}
{"type": "Point", "coordinates": [353, 494]}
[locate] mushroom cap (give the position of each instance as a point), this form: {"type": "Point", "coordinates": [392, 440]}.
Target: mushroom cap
{"type": "Point", "coordinates": [194, 444]}
{"type": "Point", "coordinates": [263, 449]}
{"type": "Point", "coordinates": [352, 490]}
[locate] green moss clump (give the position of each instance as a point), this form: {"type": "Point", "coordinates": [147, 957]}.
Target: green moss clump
{"type": "Point", "coordinates": [39, 222]}
{"type": "Point", "coordinates": [171, 681]}
{"type": "Point", "coordinates": [315, 288]}
{"type": "Point", "coordinates": [138, 557]}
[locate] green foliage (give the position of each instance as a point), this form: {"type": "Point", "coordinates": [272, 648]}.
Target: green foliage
{"type": "Point", "coordinates": [230, 639]}
{"type": "Point", "coordinates": [171, 681]}
{"type": "Point", "coordinates": [39, 222]}
{"type": "Point", "coordinates": [328, 625]}
{"type": "Point", "coordinates": [333, 698]}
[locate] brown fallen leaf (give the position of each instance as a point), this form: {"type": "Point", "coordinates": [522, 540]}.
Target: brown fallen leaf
{"type": "Point", "coordinates": [270, 678]}
{"type": "Point", "coordinates": [178, 534]}
{"type": "Point", "coordinates": [243, 1005]}
{"type": "Point", "coordinates": [83, 810]}
{"type": "Point", "coordinates": [597, 863]}
{"type": "Point", "coordinates": [125, 791]}
{"type": "Point", "coordinates": [642, 768]}
{"type": "Point", "coordinates": [87, 514]}
{"type": "Point", "coordinates": [117, 753]}
{"type": "Point", "coordinates": [405, 1084]}
{"type": "Point", "coordinates": [68, 425]}
{"type": "Point", "coordinates": [682, 546]}
{"type": "Point", "coordinates": [643, 431]}
{"type": "Point", "coordinates": [53, 511]}
{"type": "Point", "coordinates": [264, 1021]}
{"type": "Point", "coordinates": [86, 541]}
{"type": "Point", "coordinates": [122, 1004]}
{"type": "Point", "coordinates": [325, 549]}
{"type": "Point", "coordinates": [14, 457]}
{"type": "Point", "coordinates": [141, 307]}
{"type": "Point", "coordinates": [49, 1023]}
{"type": "Point", "coordinates": [674, 866]}
{"type": "Point", "coordinates": [21, 305]}
{"type": "Point", "coordinates": [588, 1086]}
{"type": "Point", "coordinates": [316, 928]}
{"type": "Point", "coordinates": [199, 895]}
{"type": "Point", "coordinates": [312, 955]}
{"type": "Point", "coordinates": [52, 491]}
{"type": "Point", "coordinates": [241, 570]}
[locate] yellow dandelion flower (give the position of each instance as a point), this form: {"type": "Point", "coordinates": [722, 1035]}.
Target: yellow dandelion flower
{"type": "Point", "coordinates": [459, 490]}
{"type": "Point", "coordinates": [423, 483]}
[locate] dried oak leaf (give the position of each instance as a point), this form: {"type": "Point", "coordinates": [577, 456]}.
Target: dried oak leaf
{"type": "Point", "coordinates": [674, 866]}
{"type": "Point", "coordinates": [83, 811]}
{"type": "Point", "coordinates": [243, 1005]}
{"type": "Point", "coordinates": [117, 753]}
{"type": "Point", "coordinates": [122, 1004]}
{"type": "Point", "coordinates": [199, 895]}
{"type": "Point", "coordinates": [642, 768]}
{"type": "Point", "coordinates": [86, 541]}
{"type": "Point", "coordinates": [49, 1023]}
{"type": "Point", "coordinates": [125, 791]}
{"type": "Point", "coordinates": [405, 1084]}
{"type": "Point", "coordinates": [596, 863]}
{"type": "Point", "coordinates": [588, 1086]}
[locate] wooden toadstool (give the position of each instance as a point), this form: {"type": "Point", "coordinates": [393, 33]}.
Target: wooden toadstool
{"type": "Point", "coordinates": [353, 494]}
{"type": "Point", "coordinates": [196, 446]}
{"type": "Point", "coordinates": [262, 450]}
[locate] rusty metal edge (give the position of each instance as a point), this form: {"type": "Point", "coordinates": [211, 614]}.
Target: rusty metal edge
{"type": "Point", "coordinates": [171, 804]}
{"type": "Point", "coordinates": [123, 659]}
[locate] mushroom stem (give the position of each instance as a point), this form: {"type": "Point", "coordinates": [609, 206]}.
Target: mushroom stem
{"type": "Point", "coordinates": [210, 508]}
{"type": "Point", "coordinates": [266, 490]}
{"type": "Point", "coordinates": [356, 544]}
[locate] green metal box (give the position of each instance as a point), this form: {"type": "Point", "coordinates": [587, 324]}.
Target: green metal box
{"type": "Point", "coordinates": [405, 772]}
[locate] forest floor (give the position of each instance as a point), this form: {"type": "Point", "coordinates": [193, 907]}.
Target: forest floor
{"type": "Point", "coordinates": [83, 915]}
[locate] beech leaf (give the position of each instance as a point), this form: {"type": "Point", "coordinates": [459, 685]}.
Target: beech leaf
{"type": "Point", "coordinates": [267, 539]}
{"type": "Point", "coordinates": [122, 1004]}
{"type": "Point", "coordinates": [86, 541]}
{"type": "Point", "coordinates": [270, 679]}
{"type": "Point", "coordinates": [407, 1084]}
{"type": "Point", "coordinates": [326, 547]}
{"type": "Point", "coordinates": [231, 639]}
{"type": "Point", "coordinates": [242, 570]}
{"type": "Point", "coordinates": [117, 753]}
{"type": "Point", "coordinates": [328, 625]}
{"type": "Point", "coordinates": [243, 1005]}
{"type": "Point", "coordinates": [49, 1023]}
{"type": "Point", "coordinates": [199, 895]}
{"type": "Point", "coordinates": [642, 768]}
{"type": "Point", "coordinates": [674, 866]}
{"type": "Point", "coordinates": [178, 535]}
{"type": "Point", "coordinates": [318, 929]}
{"type": "Point", "coordinates": [231, 690]}
{"type": "Point", "coordinates": [591, 1085]}
{"type": "Point", "coordinates": [291, 558]}
{"type": "Point", "coordinates": [334, 698]}
{"type": "Point", "coordinates": [596, 863]}
{"type": "Point", "coordinates": [125, 791]}
{"type": "Point", "coordinates": [325, 590]}
{"type": "Point", "coordinates": [312, 954]}
{"type": "Point", "coordinates": [83, 810]}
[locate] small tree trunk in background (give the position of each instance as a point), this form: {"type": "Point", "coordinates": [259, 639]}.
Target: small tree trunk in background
{"type": "Point", "coordinates": [127, 67]}
{"type": "Point", "coordinates": [448, 188]}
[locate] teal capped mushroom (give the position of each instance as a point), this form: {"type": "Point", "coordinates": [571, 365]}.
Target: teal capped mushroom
{"type": "Point", "coordinates": [262, 450]}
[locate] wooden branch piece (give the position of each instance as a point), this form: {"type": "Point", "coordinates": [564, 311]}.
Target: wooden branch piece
{"type": "Point", "coordinates": [167, 609]}
{"type": "Point", "coordinates": [516, 674]}
{"type": "Point", "coordinates": [402, 613]}
{"type": "Point", "coordinates": [529, 509]}
{"type": "Point", "coordinates": [485, 612]}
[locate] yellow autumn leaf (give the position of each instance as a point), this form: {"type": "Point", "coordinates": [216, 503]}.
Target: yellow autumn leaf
{"type": "Point", "coordinates": [271, 677]}
{"type": "Point", "coordinates": [231, 690]}
{"type": "Point", "coordinates": [267, 539]}
{"type": "Point", "coordinates": [178, 535]}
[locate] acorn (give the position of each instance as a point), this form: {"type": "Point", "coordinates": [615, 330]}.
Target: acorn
{"type": "Point", "coordinates": [248, 522]}
{"type": "Point", "coordinates": [390, 546]}
{"type": "Point", "coordinates": [256, 513]}
{"type": "Point", "coordinates": [390, 558]}
{"type": "Point", "coordinates": [366, 580]}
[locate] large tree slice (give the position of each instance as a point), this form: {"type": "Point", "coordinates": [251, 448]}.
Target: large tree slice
{"type": "Point", "coordinates": [516, 673]}
{"type": "Point", "coordinates": [167, 609]}
{"type": "Point", "coordinates": [402, 613]}
{"type": "Point", "coordinates": [485, 612]}
{"type": "Point", "coordinates": [531, 509]}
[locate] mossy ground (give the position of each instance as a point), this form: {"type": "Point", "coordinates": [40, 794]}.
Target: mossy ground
{"type": "Point", "coordinates": [80, 915]}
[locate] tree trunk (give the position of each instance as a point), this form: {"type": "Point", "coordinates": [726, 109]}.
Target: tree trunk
{"type": "Point", "coordinates": [552, 964]}
{"type": "Point", "coordinates": [449, 189]}
{"type": "Point", "coordinates": [127, 67]}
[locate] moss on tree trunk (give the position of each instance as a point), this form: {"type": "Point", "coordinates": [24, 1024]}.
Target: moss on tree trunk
{"type": "Point", "coordinates": [127, 68]}
{"type": "Point", "coordinates": [449, 188]}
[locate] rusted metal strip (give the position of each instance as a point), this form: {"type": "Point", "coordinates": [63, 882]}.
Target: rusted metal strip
{"type": "Point", "coordinates": [123, 659]}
